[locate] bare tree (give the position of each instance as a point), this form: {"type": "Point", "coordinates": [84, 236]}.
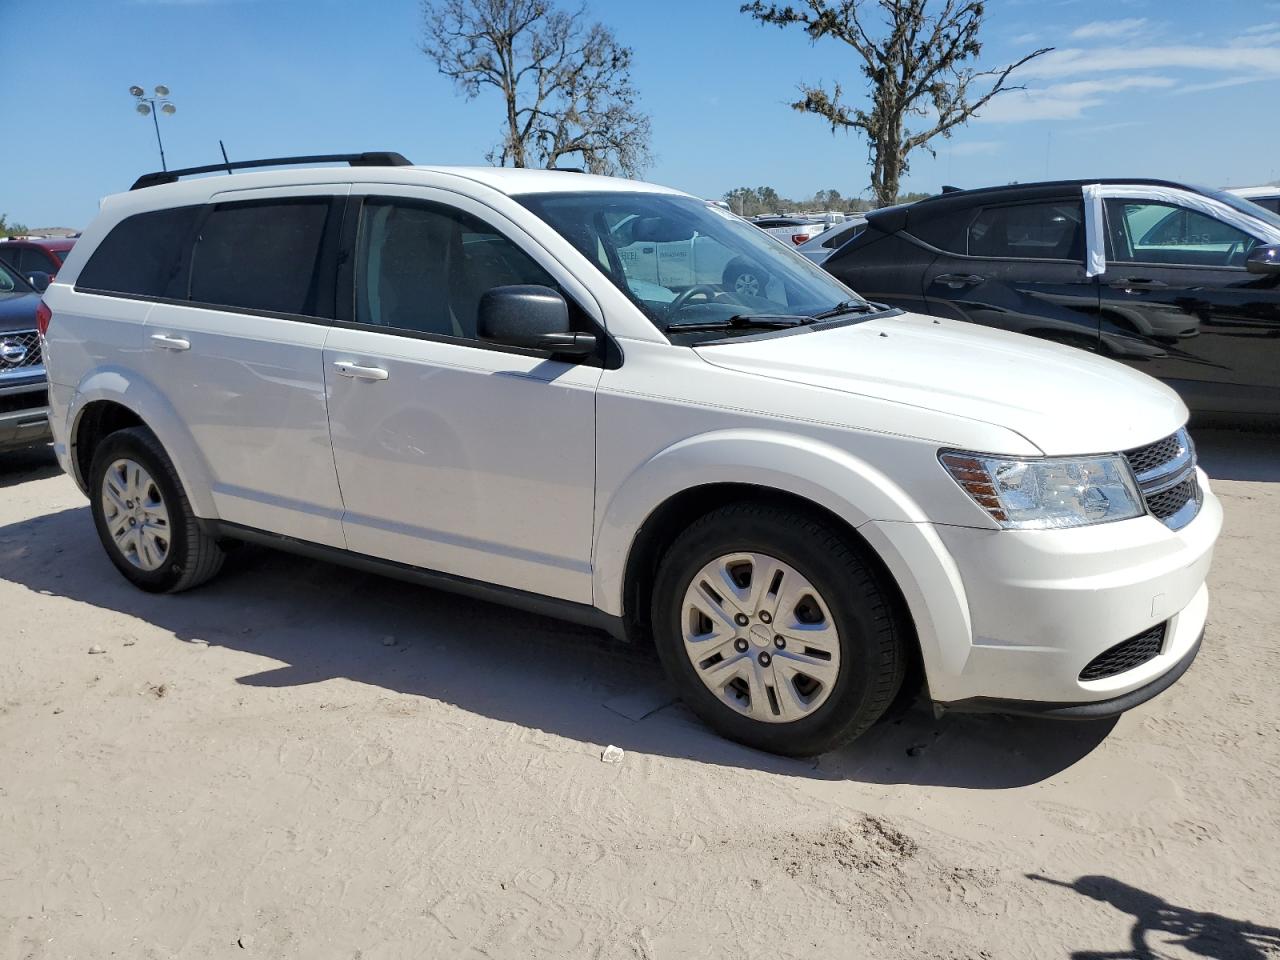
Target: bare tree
{"type": "Point", "coordinates": [915, 64]}
{"type": "Point", "coordinates": [565, 84]}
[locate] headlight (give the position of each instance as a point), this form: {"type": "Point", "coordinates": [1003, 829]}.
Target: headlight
{"type": "Point", "coordinates": [1035, 494]}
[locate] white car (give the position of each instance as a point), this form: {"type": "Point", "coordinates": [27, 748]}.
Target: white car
{"type": "Point", "coordinates": [450, 375]}
{"type": "Point", "coordinates": [825, 244]}
{"type": "Point", "coordinates": [1266, 197]}
{"type": "Point", "coordinates": [793, 230]}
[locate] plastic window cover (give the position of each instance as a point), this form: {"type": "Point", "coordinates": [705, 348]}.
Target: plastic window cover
{"type": "Point", "coordinates": [1095, 193]}
{"type": "Point", "coordinates": [1097, 264]}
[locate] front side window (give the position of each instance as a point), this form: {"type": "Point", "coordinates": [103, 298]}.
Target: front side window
{"type": "Point", "coordinates": [685, 261]}
{"type": "Point", "coordinates": [1029, 231]}
{"type": "Point", "coordinates": [423, 267]}
{"type": "Point", "coordinates": [1142, 231]}
{"type": "Point", "coordinates": [260, 255]}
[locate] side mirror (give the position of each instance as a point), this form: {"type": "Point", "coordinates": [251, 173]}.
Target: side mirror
{"type": "Point", "coordinates": [532, 317]}
{"type": "Point", "coordinates": [1264, 259]}
{"type": "Point", "coordinates": [40, 280]}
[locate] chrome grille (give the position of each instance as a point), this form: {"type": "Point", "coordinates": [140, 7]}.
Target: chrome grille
{"type": "Point", "coordinates": [1166, 475]}
{"type": "Point", "coordinates": [1133, 652]}
{"type": "Point", "coordinates": [19, 352]}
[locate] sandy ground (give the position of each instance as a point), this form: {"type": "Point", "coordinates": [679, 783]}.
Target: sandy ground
{"type": "Point", "coordinates": [250, 770]}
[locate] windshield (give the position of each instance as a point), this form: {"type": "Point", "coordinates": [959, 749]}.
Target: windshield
{"type": "Point", "coordinates": [1246, 207]}
{"type": "Point", "coordinates": [684, 261]}
{"type": "Point", "coordinates": [9, 281]}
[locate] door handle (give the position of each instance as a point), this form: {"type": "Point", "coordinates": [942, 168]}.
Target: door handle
{"type": "Point", "coordinates": [958, 280]}
{"type": "Point", "coordinates": [164, 341]}
{"type": "Point", "coordinates": [356, 372]}
{"type": "Point", "coordinates": [1138, 283]}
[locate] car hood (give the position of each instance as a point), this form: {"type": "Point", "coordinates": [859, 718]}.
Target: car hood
{"type": "Point", "coordinates": [18, 311]}
{"type": "Point", "coordinates": [1062, 399]}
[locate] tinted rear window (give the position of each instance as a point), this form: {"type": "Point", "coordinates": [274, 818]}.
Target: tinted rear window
{"type": "Point", "coordinates": [141, 255]}
{"type": "Point", "coordinates": [260, 256]}
{"type": "Point", "coordinates": [1052, 230]}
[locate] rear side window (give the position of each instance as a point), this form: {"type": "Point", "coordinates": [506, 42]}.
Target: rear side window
{"type": "Point", "coordinates": [260, 256]}
{"type": "Point", "coordinates": [141, 255]}
{"type": "Point", "coordinates": [1030, 231]}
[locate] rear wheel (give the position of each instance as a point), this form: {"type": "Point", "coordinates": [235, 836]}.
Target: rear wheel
{"type": "Point", "coordinates": [143, 517]}
{"type": "Point", "coordinates": [776, 631]}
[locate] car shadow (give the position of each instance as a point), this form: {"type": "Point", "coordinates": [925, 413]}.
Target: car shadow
{"type": "Point", "coordinates": [1238, 454]}
{"type": "Point", "coordinates": [321, 622]}
{"type": "Point", "coordinates": [1193, 931]}
{"type": "Point", "coordinates": [28, 463]}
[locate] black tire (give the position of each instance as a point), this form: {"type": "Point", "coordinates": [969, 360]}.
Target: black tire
{"type": "Point", "coordinates": [741, 270]}
{"type": "Point", "coordinates": [873, 634]}
{"type": "Point", "coordinates": [193, 556]}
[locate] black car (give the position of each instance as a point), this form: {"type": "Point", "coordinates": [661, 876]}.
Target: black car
{"type": "Point", "coordinates": [1180, 282]}
{"type": "Point", "coordinates": [24, 392]}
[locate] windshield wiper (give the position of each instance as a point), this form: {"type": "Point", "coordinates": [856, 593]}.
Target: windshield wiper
{"type": "Point", "coordinates": [742, 321]}
{"type": "Point", "coordinates": [848, 306]}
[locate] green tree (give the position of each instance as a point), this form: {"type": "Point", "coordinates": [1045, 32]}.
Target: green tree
{"type": "Point", "coordinates": [565, 83]}
{"type": "Point", "coordinates": [8, 229]}
{"type": "Point", "coordinates": [916, 63]}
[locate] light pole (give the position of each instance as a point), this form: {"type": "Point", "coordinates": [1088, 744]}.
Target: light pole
{"type": "Point", "coordinates": [148, 105]}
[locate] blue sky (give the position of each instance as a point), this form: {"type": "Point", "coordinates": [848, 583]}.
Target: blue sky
{"type": "Point", "coordinates": [1170, 88]}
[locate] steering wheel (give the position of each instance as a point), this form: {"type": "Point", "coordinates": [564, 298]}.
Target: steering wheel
{"type": "Point", "coordinates": [678, 303]}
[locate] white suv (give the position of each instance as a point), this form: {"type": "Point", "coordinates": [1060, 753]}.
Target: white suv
{"type": "Point", "coordinates": [806, 500]}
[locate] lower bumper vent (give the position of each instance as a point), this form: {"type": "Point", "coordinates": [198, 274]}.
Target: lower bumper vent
{"type": "Point", "coordinates": [1133, 652]}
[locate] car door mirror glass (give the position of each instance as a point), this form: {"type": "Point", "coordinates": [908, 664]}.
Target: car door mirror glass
{"type": "Point", "coordinates": [1265, 259]}
{"type": "Point", "coordinates": [38, 279]}
{"type": "Point", "coordinates": [530, 316]}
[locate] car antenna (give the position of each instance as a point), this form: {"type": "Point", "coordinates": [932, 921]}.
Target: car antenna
{"type": "Point", "coordinates": [948, 188]}
{"type": "Point", "coordinates": [224, 157]}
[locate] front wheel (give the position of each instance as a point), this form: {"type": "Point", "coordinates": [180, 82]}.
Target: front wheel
{"type": "Point", "coordinates": [776, 631]}
{"type": "Point", "coordinates": [745, 280]}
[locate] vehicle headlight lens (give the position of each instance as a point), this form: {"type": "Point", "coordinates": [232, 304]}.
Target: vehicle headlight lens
{"type": "Point", "coordinates": [1036, 494]}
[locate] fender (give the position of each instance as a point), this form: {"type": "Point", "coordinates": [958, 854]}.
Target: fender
{"type": "Point", "coordinates": [149, 404]}
{"type": "Point", "coordinates": [868, 500]}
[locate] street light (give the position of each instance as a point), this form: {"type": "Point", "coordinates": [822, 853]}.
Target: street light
{"type": "Point", "coordinates": [159, 103]}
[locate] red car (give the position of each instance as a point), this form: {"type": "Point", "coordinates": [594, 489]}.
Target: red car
{"type": "Point", "coordinates": [28, 255]}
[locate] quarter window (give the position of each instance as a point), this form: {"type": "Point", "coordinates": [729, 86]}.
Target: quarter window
{"type": "Point", "coordinates": [1030, 231]}
{"type": "Point", "coordinates": [423, 267]}
{"type": "Point", "coordinates": [141, 255]}
{"type": "Point", "coordinates": [1141, 231]}
{"type": "Point", "coordinates": [260, 256]}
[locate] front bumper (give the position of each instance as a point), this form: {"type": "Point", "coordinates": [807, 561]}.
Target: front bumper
{"type": "Point", "coordinates": [1043, 604]}
{"type": "Point", "coordinates": [25, 416]}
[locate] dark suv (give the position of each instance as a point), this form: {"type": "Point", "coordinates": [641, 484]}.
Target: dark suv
{"type": "Point", "coordinates": [24, 393]}
{"type": "Point", "coordinates": [1177, 281]}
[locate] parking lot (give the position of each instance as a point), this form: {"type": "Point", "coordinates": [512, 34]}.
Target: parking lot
{"type": "Point", "coordinates": [303, 761]}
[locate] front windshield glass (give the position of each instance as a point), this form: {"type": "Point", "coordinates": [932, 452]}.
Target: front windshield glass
{"type": "Point", "coordinates": [9, 283]}
{"type": "Point", "coordinates": [685, 261]}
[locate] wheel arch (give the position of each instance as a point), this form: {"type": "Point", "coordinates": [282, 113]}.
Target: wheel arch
{"type": "Point", "coordinates": [685, 481]}
{"type": "Point", "coordinates": [110, 400]}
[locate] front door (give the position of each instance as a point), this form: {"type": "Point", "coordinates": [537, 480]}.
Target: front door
{"type": "Point", "coordinates": [1022, 269]}
{"type": "Point", "coordinates": [453, 454]}
{"type": "Point", "coordinates": [1179, 301]}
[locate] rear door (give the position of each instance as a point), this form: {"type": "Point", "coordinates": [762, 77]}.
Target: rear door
{"type": "Point", "coordinates": [454, 454]}
{"type": "Point", "coordinates": [1178, 302]}
{"type": "Point", "coordinates": [1019, 266]}
{"type": "Point", "coordinates": [239, 354]}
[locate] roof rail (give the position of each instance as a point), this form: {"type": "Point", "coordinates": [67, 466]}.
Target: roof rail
{"type": "Point", "coordinates": [375, 158]}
